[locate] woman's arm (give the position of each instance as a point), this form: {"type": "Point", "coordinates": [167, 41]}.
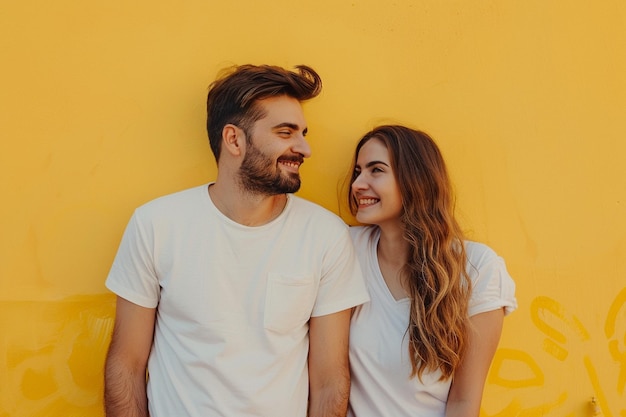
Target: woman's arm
{"type": "Point", "coordinates": [467, 386]}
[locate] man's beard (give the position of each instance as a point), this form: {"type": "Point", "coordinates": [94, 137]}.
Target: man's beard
{"type": "Point", "coordinates": [258, 174]}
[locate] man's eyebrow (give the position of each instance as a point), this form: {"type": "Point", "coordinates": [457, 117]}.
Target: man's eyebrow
{"type": "Point", "coordinates": [292, 126]}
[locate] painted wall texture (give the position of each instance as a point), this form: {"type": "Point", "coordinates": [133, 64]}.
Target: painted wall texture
{"type": "Point", "coordinates": [102, 109]}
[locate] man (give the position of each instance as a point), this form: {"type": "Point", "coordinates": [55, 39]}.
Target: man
{"type": "Point", "coordinates": [235, 296]}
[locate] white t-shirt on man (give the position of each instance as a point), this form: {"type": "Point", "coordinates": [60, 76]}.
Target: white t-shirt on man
{"type": "Point", "coordinates": [233, 302]}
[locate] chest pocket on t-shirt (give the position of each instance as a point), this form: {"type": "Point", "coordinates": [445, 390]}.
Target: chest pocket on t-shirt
{"type": "Point", "coordinates": [289, 301]}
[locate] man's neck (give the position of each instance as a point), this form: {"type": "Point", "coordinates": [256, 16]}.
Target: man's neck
{"type": "Point", "coordinates": [246, 208]}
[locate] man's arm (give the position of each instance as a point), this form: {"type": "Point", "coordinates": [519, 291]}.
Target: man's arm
{"type": "Point", "coordinates": [125, 368]}
{"type": "Point", "coordinates": [466, 391]}
{"type": "Point", "coordinates": [329, 371]}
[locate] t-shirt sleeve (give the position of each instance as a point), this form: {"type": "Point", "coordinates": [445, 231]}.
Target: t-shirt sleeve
{"type": "Point", "coordinates": [342, 285]}
{"type": "Point", "coordinates": [493, 287]}
{"type": "Point", "coordinates": [132, 275]}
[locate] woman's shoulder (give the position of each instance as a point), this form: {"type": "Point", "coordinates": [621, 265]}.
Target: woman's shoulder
{"type": "Point", "coordinates": [362, 233]}
{"type": "Point", "coordinates": [484, 265]}
{"type": "Point", "coordinates": [478, 253]}
{"type": "Point", "coordinates": [492, 286]}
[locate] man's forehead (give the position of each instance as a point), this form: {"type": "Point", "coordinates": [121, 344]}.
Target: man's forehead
{"type": "Point", "coordinates": [282, 109]}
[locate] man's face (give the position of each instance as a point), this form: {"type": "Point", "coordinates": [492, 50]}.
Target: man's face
{"type": "Point", "coordinates": [275, 149]}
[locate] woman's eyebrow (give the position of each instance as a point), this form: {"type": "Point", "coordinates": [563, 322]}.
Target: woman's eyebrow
{"type": "Point", "coordinates": [371, 163]}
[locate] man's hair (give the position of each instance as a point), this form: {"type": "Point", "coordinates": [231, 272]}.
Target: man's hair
{"type": "Point", "coordinates": [233, 97]}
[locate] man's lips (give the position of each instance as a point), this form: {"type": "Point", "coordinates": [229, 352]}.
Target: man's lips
{"type": "Point", "coordinates": [292, 164]}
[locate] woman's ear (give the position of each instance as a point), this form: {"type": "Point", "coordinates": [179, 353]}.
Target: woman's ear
{"type": "Point", "coordinates": [233, 140]}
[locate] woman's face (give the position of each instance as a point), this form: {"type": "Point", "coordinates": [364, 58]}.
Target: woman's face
{"type": "Point", "coordinates": [375, 187]}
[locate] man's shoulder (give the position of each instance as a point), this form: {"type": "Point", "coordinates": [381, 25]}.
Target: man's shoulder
{"type": "Point", "coordinates": [171, 203]}
{"type": "Point", "coordinates": [304, 205]}
{"type": "Point", "coordinates": [304, 208]}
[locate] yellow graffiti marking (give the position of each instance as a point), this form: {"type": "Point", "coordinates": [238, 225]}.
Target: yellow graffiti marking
{"type": "Point", "coordinates": [543, 305]}
{"type": "Point", "coordinates": [548, 315]}
{"type": "Point", "coordinates": [593, 377]}
{"type": "Point", "coordinates": [514, 357]}
{"type": "Point", "coordinates": [555, 350]}
{"type": "Point", "coordinates": [515, 409]}
{"type": "Point", "coordinates": [56, 369]}
{"type": "Point", "coordinates": [617, 348]}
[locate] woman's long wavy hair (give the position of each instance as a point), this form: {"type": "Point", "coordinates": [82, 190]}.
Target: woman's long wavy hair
{"type": "Point", "coordinates": [435, 275]}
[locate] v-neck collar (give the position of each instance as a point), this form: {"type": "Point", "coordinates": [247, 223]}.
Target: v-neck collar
{"type": "Point", "coordinates": [378, 273]}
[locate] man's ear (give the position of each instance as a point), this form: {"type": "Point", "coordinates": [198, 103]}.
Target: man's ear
{"type": "Point", "coordinates": [233, 140]}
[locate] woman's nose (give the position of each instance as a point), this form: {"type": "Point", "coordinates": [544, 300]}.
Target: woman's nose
{"type": "Point", "coordinates": [359, 183]}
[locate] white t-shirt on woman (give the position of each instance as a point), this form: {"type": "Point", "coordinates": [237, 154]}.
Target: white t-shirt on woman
{"type": "Point", "coordinates": [379, 360]}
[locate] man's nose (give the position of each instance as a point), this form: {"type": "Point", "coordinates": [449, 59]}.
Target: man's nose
{"type": "Point", "coordinates": [302, 147]}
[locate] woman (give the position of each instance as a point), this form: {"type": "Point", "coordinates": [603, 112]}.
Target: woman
{"type": "Point", "coordinates": [424, 344]}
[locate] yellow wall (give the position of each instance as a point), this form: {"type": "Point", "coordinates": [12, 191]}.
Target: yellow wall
{"type": "Point", "coordinates": [102, 109]}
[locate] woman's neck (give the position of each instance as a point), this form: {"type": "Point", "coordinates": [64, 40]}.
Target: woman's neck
{"type": "Point", "coordinates": [392, 246]}
{"type": "Point", "coordinates": [392, 253]}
